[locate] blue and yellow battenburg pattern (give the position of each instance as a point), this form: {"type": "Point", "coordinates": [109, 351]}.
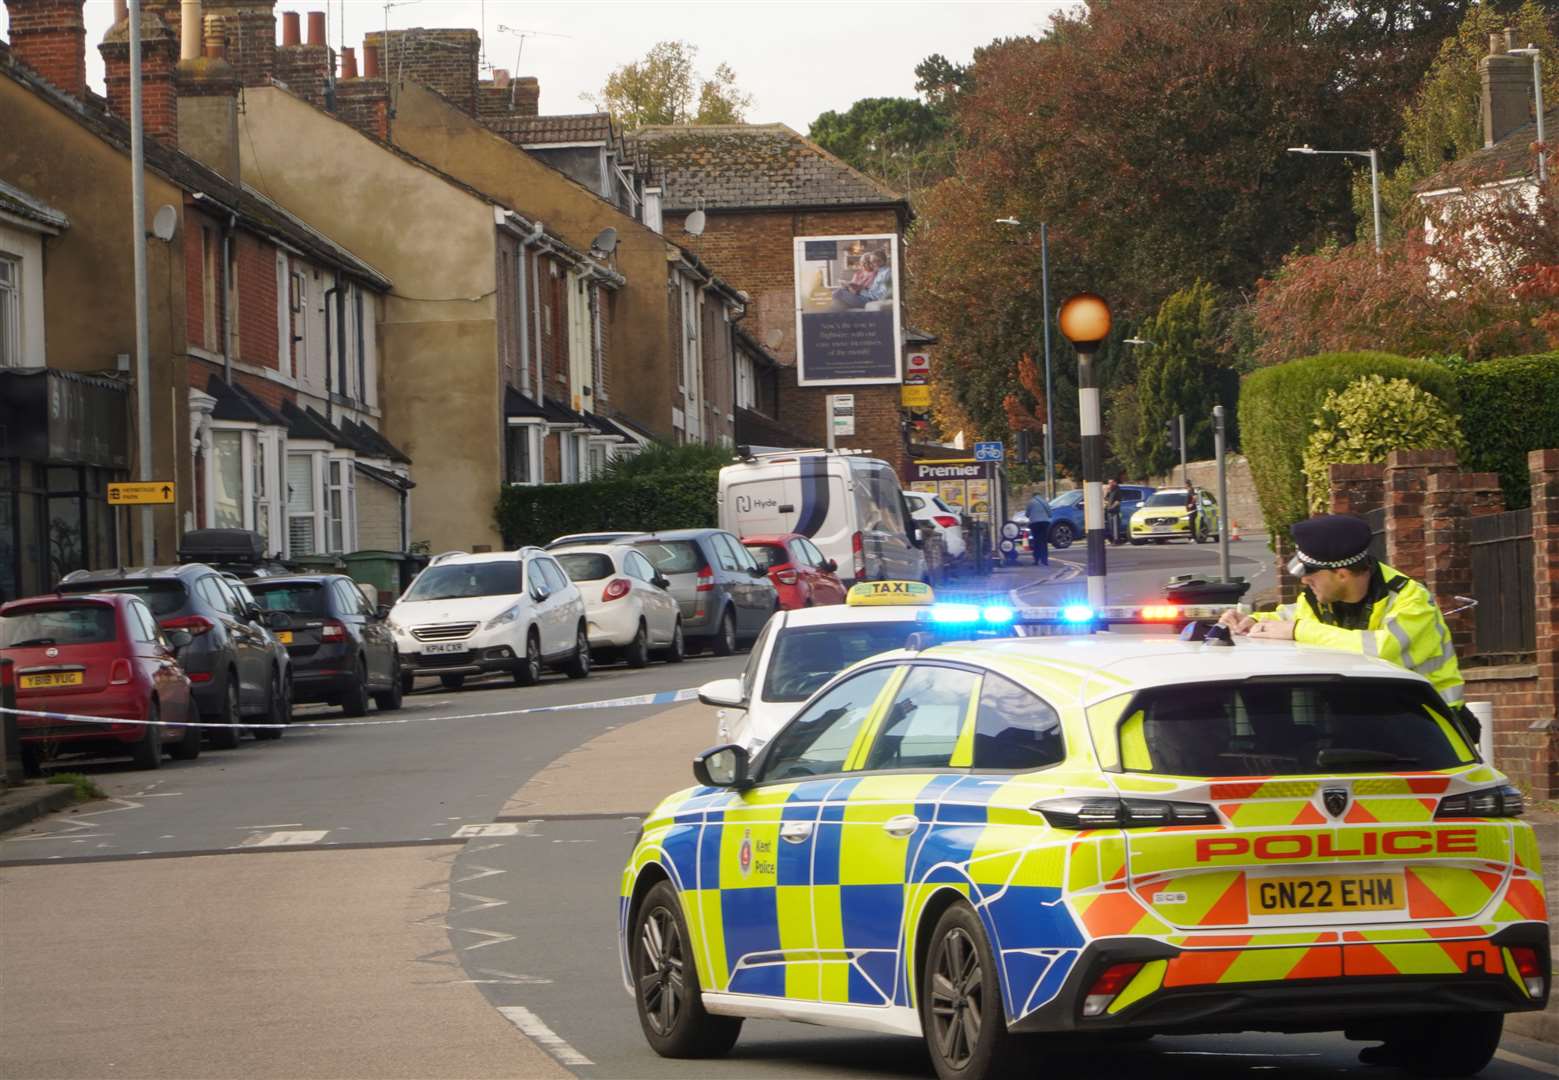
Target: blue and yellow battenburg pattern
{"type": "Point", "coordinates": [796, 890]}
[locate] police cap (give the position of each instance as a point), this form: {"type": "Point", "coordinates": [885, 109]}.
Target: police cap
{"type": "Point", "coordinates": [1329, 542]}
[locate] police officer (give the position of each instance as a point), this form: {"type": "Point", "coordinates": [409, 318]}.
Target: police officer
{"type": "Point", "coordinates": [1351, 601]}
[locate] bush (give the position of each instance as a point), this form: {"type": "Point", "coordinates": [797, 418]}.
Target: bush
{"type": "Point", "coordinates": [1278, 406]}
{"type": "Point", "coordinates": [664, 458]}
{"type": "Point", "coordinates": [1509, 407]}
{"type": "Point", "coordinates": [658, 500]}
{"type": "Point", "coordinates": [1368, 420]}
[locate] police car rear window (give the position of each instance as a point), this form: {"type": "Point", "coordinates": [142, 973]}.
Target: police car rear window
{"type": "Point", "coordinates": [806, 658]}
{"type": "Point", "coordinates": [1287, 728]}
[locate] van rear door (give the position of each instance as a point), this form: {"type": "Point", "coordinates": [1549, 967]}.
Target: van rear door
{"type": "Point", "coordinates": [801, 495]}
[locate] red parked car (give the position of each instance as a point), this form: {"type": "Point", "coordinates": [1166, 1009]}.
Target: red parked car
{"type": "Point", "coordinates": [799, 571]}
{"type": "Point", "coordinates": [97, 655]}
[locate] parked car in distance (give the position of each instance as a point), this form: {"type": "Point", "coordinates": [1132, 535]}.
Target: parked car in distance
{"type": "Point", "coordinates": [800, 573]}
{"type": "Point", "coordinates": [97, 656]}
{"type": "Point", "coordinates": [725, 596]}
{"type": "Point", "coordinates": [851, 506]}
{"type": "Point", "coordinates": [507, 611]}
{"type": "Point", "coordinates": [572, 539]}
{"type": "Point", "coordinates": [1068, 520]}
{"type": "Point", "coordinates": [342, 650]}
{"type": "Point", "coordinates": [630, 609]}
{"type": "Point", "coordinates": [928, 509]}
{"type": "Point", "coordinates": [1169, 515]}
{"type": "Point", "coordinates": [236, 668]}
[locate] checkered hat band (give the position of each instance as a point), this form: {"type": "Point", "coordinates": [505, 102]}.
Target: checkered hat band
{"type": "Point", "coordinates": [1333, 564]}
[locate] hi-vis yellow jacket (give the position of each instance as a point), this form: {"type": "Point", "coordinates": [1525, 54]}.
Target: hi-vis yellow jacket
{"type": "Point", "coordinates": [1404, 627]}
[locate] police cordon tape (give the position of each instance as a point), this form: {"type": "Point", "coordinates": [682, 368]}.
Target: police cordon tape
{"type": "Point", "coordinates": [665, 697]}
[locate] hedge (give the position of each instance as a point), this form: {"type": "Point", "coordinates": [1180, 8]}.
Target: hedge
{"type": "Point", "coordinates": [536, 515]}
{"type": "Point", "coordinates": [1509, 407]}
{"type": "Point", "coordinates": [1278, 406]}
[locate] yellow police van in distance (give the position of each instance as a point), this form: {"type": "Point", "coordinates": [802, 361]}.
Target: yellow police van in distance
{"type": "Point", "coordinates": [1173, 514]}
{"type": "Point", "coordinates": [1118, 834]}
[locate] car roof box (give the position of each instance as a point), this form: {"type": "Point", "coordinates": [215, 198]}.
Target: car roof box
{"type": "Point", "coordinates": [217, 546]}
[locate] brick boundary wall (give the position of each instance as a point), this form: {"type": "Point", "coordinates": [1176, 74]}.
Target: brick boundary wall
{"type": "Point", "coordinates": [1428, 503]}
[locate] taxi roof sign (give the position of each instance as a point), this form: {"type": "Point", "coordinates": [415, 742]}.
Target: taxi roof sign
{"type": "Point", "coordinates": [889, 594]}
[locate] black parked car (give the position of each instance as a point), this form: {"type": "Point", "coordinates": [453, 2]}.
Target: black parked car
{"type": "Point", "coordinates": [342, 650]}
{"type": "Point", "coordinates": [236, 668]}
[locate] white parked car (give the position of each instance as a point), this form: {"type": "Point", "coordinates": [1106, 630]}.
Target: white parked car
{"type": "Point", "coordinates": [928, 509]}
{"type": "Point", "coordinates": [627, 602]}
{"type": "Point", "coordinates": [800, 650]}
{"type": "Point", "coordinates": [508, 611]}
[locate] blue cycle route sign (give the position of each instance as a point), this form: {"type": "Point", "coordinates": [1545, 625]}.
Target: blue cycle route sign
{"type": "Point", "coordinates": [988, 451]}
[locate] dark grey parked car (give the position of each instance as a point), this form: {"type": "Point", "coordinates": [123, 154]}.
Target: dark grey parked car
{"type": "Point", "coordinates": [725, 596]}
{"type": "Point", "coordinates": [342, 650]}
{"type": "Point", "coordinates": [236, 668]}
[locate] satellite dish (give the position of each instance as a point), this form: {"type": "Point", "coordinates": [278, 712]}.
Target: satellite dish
{"type": "Point", "coordinates": [605, 241]}
{"type": "Point", "coordinates": [165, 223]}
{"type": "Point", "coordinates": [775, 338]}
{"type": "Point", "coordinates": [694, 225]}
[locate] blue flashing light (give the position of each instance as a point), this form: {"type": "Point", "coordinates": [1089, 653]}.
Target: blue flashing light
{"type": "Point", "coordinates": [998, 613]}
{"type": "Point", "coordinates": [954, 613]}
{"type": "Point", "coordinates": [1077, 613]}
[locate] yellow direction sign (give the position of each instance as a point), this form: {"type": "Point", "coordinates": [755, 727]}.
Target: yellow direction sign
{"type": "Point", "coordinates": [915, 397]}
{"type": "Point", "coordinates": [154, 493]}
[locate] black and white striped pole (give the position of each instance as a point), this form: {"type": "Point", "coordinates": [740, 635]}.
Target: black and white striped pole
{"type": "Point", "coordinates": [1085, 320]}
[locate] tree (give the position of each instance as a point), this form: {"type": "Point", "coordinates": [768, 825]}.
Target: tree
{"type": "Point", "coordinates": [1443, 122]}
{"type": "Point", "coordinates": [901, 141]}
{"type": "Point", "coordinates": [661, 88]}
{"type": "Point", "coordinates": [1178, 374]}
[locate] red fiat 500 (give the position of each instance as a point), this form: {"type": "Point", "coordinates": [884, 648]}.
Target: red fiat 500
{"type": "Point", "coordinates": [799, 571]}
{"type": "Point", "coordinates": [97, 656]}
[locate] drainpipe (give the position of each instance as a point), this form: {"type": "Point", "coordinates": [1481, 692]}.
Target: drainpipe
{"type": "Point", "coordinates": [227, 297]}
{"type": "Point", "coordinates": [330, 361]}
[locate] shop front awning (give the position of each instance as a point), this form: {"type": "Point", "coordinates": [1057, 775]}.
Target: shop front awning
{"type": "Point", "coordinates": [64, 418]}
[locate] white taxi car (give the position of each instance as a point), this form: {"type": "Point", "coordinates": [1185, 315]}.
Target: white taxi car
{"type": "Point", "coordinates": [1120, 835]}
{"type": "Point", "coordinates": [802, 649]}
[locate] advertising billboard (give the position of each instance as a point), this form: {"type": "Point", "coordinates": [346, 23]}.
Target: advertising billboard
{"type": "Point", "coordinates": [847, 310]}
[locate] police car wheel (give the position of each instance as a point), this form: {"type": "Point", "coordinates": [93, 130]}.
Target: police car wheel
{"type": "Point", "coordinates": [1453, 1045]}
{"type": "Point", "coordinates": [960, 1002]}
{"type": "Point", "coordinates": [666, 989]}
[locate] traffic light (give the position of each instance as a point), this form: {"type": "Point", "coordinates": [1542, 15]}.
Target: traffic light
{"type": "Point", "coordinates": [1172, 435]}
{"type": "Point", "coordinates": [1025, 440]}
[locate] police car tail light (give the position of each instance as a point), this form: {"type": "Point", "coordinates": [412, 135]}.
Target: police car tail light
{"type": "Point", "coordinates": [1529, 968]}
{"type": "Point", "coordinates": [615, 589]}
{"type": "Point", "coordinates": [1107, 987]}
{"type": "Point", "coordinates": [706, 579]}
{"type": "Point", "coordinates": [1502, 801]}
{"type": "Point", "coordinates": [785, 577]}
{"type": "Point", "coordinates": [1107, 813]}
{"type": "Point", "coordinates": [857, 555]}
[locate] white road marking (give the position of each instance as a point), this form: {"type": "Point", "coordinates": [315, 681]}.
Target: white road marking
{"type": "Point", "coordinates": [495, 828]}
{"type": "Point", "coordinates": [257, 828]}
{"type": "Point", "coordinates": [282, 839]}
{"type": "Point", "coordinates": [539, 1033]}
{"type": "Point", "coordinates": [1526, 1062]}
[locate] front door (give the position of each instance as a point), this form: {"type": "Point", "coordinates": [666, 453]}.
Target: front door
{"type": "Point", "coordinates": [763, 860]}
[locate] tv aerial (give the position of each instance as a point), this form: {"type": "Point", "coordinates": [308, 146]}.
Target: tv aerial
{"type": "Point", "coordinates": [522, 35]}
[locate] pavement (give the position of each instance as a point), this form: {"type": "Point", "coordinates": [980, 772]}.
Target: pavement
{"type": "Point", "coordinates": [21, 803]}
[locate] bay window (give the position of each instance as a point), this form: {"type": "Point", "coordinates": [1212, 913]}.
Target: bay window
{"type": "Point", "coordinates": [321, 503]}
{"type": "Point", "coordinates": [241, 479]}
{"type": "Point", "coordinates": [522, 453]}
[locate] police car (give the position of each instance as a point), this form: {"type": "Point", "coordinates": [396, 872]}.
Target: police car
{"type": "Point", "coordinates": [1111, 834]}
{"type": "Point", "coordinates": [802, 649]}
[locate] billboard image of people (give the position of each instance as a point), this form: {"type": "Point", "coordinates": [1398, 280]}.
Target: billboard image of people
{"type": "Point", "coordinates": [847, 310]}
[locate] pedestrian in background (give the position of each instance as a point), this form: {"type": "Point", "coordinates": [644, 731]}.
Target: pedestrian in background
{"type": "Point", "coordinates": [1039, 529]}
{"type": "Point", "coordinates": [1112, 510]}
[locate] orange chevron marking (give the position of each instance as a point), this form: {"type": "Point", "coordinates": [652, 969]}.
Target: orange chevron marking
{"type": "Point", "coordinates": [1224, 941]}
{"type": "Point", "coordinates": [1199, 968]}
{"type": "Point", "coordinates": [1461, 954]}
{"type": "Point", "coordinates": [1428, 785]}
{"type": "Point", "coordinates": [1429, 804]}
{"type": "Point", "coordinates": [1309, 816]}
{"type": "Point", "coordinates": [1527, 899]}
{"type": "Point", "coordinates": [1322, 939]}
{"type": "Point", "coordinates": [1422, 903]}
{"type": "Point", "coordinates": [1366, 960]}
{"type": "Point", "coordinates": [1231, 906]}
{"type": "Point", "coordinates": [1235, 791]}
{"type": "Point", "coordinates": [1490, 881]}
{"type": "Point", "coordinates": [1357, 815]}
{"type": "Point", "coordinates": [1322, 963]}
{"type": "Point", "coordinates": [1111, 914]}
{"type": "Point", "coordinates": [1352, 935]}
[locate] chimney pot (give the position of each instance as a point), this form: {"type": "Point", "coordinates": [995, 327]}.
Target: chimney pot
{"type": "Point", "coordinates": [370, 61]}
{"type": "Point", "coordinates": [190, 35]}
{"type": "Point", "coordinates": [291, 28]}
{"type": "Point", "coordinates": [121, 10]}
{"type": "Point", "coordinates": [1507, 89]}
{"type": "Point", "coordinates": [500, 77]}
{"type": "Point", "coordinates": [316, 28]}
{"type": "Point", "coordinates": [348, 63]}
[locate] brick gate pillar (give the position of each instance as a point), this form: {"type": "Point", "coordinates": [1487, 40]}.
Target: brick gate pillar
{"type": "Point", "coordinates": [1450, 502]}
{"type": "Point", "coordinates": [1406, 489]}
{"type": "Point", "coordinates": [1544, 465]}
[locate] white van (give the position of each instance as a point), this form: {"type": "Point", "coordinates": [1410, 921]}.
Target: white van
{"type": "Point", "coordinates": [850, 506]}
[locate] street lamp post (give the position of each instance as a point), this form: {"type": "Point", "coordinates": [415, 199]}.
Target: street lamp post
{"type": "Point", "coordinates": [1085, 320]}
{"type": "Point", "coordinates": [1374, 157]}
{"type": "Point", "coordinates": [1050, 426]}
{"type": "Point", "coordinates": [1537, 90]}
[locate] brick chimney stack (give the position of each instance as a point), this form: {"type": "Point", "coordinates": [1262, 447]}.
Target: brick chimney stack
{"type": "Point", "coordinates": [364, 102]}
{"type": "Point", "coordinates": [445, 61]}
{"type": "Point", "coordinates": [248, 29]}
{"type": "Point", "coordinates": [208, 94]}
{"type": "Point", "coordinates": [159, 59]}
{"type": "Point", "coordinates": [527, 96]}
{"type": "Point", "coordinates": [305, 69]}
{"type": "Point", "coordinates": [1507, 88]}
{"type": "Point", "coordinates": [50, 37]}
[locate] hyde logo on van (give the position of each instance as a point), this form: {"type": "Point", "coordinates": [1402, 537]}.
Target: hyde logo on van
{"type": "Point", "coordinates": [746, 504]}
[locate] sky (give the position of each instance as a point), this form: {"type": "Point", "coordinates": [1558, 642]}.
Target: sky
{"type": "Point", "coordinates": [796, 59]}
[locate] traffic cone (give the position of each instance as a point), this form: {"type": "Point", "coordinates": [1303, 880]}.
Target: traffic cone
{"type": "Point", "coordinates": [1234, 531]}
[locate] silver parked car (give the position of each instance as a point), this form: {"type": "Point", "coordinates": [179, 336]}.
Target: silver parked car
{"type": "Point", "coordinates": [724, 595]}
